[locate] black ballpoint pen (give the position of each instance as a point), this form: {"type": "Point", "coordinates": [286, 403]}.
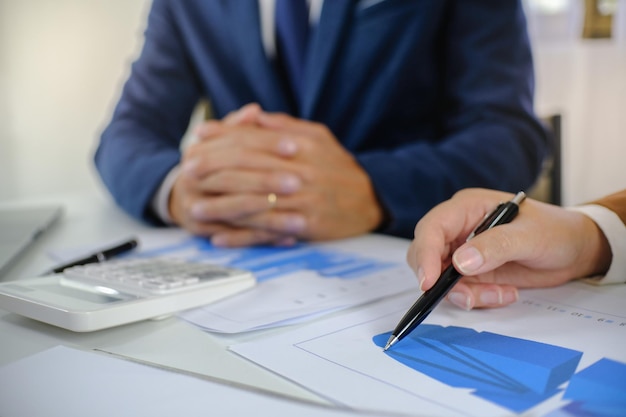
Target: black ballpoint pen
{"type": "Point", "coordinates": [504, 213]}
{"type": "Point", "coordinates": [99, 256]}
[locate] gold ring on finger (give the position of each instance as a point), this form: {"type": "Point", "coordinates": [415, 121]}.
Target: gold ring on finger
{"type": "Point", "coordinates": [272, 199]}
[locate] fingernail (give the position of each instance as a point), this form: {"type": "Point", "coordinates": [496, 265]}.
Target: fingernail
{"type": "Point", "coordinates": [287, 147]}
{"type": "Point", "coordinates": [295, 224]}
{"type": "Point", "coordinates": [460, 300]}
{"type": "Point", "coordinates": [420, 277]}
{"type": "Point", "coordinates": [491, 298]}
{"type": "Point", "coordinates": [219, 240]}
{"type": "Point", "coordinates": [509, 297]}
{"type": "Point", "coordinates": [289, 183]}
{"type": "Point", "coordinates": [468, 260]}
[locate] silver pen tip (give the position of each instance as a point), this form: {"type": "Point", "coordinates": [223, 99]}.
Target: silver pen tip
{"type": "Point", "coordinates": [392, 341]}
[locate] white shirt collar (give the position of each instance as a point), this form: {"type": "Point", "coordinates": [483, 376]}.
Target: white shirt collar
{"type": "Point", "coordinates": [266, 14]}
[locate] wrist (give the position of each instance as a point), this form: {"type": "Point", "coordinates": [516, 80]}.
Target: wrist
{"type": "Point", "coordinates": [596, 254]}
{"type": "Point", "coordinates": [161, 203]}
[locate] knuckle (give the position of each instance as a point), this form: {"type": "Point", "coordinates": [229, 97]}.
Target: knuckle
{"type": "Point", "coordinates": [210, 164]}
{"type": "Point", "coordinates": [222, 180]}
{"type": "Point", "coordinates": [505, 245]}
{"type": "Point", "coordinates": [322, 130]}
{"type": "Point", "coordinates": [192, 151]}
{"type": "Point", "coordinates": [309, 174]}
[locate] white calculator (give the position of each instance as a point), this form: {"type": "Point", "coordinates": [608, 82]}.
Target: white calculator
{"type": "Point", "coordinates": [102, 295]}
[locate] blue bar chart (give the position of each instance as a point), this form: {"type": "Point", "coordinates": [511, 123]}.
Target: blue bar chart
{"type": "Point", "coordinates": [295, 283]}
{"type": "Point", "coordinates": [268, 262]}
{"type": "Point", "coordinates": [514, 373]}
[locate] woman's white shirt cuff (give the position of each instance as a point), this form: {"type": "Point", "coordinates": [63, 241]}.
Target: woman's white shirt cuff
{"type": "Point", "coordinates": [615, 231]}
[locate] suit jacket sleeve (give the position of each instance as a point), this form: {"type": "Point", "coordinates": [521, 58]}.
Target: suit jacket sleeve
{"type": "Point", "coordinates": [142, 143]}
{"type": "Point", "coordinates": [430, 97]}
{"type": "Point", "coordinates": [489, 136]}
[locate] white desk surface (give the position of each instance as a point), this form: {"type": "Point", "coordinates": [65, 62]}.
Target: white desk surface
{"type": "Point", "coordinates": [91, 219]}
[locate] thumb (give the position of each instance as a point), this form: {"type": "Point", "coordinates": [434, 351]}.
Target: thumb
{"type": "Point", "coordinates": [489, 250]}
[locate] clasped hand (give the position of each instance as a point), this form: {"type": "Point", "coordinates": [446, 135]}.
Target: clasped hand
{"type": "Point", "coordinates": [261, 178]}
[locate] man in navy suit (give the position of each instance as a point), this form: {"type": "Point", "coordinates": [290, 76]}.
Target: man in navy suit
{"type": "Point", "coordinates": [397, 105]}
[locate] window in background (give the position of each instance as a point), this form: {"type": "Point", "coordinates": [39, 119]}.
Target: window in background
{"type": "Point", "coordinates": [555, 20]}
{"type": "Point", "coordinates": [571, 20]}
{"type": "Point", "coordinates": [599, 18]}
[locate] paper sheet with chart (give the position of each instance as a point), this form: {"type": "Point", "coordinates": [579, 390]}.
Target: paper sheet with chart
{"type": "Point", "coordinates": [54, 383]}
{"type": "Point", "coordinates": [557, 352]}
{"type": "Point", "coordinates": [294, 284]}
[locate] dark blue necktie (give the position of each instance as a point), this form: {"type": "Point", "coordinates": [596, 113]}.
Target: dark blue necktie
{"type": "Point", "coordinates": [292, 33]}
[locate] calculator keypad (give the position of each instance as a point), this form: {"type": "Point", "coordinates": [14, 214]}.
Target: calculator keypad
{"type": "Point", "coordinates": [149, 274]}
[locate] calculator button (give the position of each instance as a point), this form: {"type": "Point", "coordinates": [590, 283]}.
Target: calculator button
{"type": "Point", "coordinates": [157, 276]}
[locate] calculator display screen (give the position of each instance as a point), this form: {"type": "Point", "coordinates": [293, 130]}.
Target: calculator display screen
{"type": "Point", "coordinates": [68, 295]}
{"type": "Point", "coordinates": [94, 295]}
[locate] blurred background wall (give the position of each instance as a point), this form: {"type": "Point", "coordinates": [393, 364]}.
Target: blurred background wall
{"type": "Point", "coordinates": [63, 62]}
{"type": "Point", "coordinates": [62, 65]}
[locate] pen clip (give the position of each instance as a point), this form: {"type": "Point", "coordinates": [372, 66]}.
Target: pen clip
{"type": "Point", "coordinates": [484, 222]}
{"type": "Point", "coordinates": [503, 213]}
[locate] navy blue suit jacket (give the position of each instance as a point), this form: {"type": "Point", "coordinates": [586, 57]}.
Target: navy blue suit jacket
{"type": "Point", "coordinates": [431, 96]}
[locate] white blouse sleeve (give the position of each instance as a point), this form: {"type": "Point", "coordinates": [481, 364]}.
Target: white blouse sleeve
{"type": "Point", "coordinates": [615, 231]}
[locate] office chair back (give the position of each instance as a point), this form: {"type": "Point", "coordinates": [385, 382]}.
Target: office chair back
{"type": "Point", "coordinates": [548, 185]}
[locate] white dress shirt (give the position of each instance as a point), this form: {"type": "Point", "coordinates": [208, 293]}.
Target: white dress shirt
{"type": "Point", "coordinates": [160, 202]}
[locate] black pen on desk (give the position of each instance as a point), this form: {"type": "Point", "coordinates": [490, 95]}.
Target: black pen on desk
{"type": "Point", "coordinates": [504, 213]}
{"type": "Point", "coordinates": [99, 256]}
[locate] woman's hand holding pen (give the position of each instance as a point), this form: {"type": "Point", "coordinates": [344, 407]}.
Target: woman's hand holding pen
{"type": "Point", "coordinates": [545, 246]}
